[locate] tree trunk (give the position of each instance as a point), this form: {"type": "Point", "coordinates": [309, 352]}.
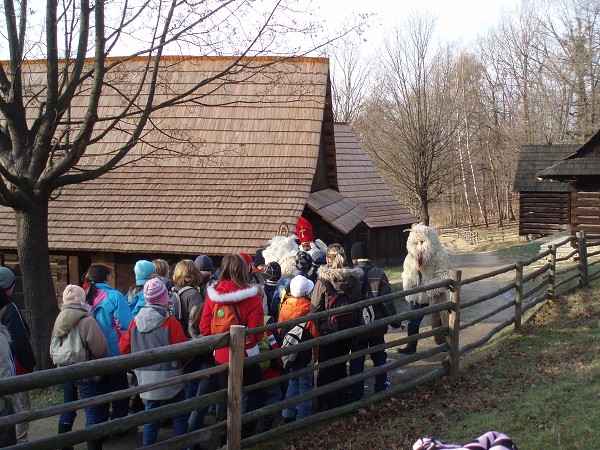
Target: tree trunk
{"type": "Point", "coordinates": [38, 286]}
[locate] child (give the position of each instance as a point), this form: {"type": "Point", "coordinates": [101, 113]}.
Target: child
{"type": "Point", "coordinates": [294, 306]}
{"type": "Point", "coordinates": [152, 328]}
{"type": "Point", "coordinates": [8, 435]}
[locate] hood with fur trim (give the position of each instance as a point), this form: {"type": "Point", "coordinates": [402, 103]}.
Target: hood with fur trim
{"type": "Point", "coordinates": [341, 279]}
{"type": "Point", "coordinates": [228, 292]}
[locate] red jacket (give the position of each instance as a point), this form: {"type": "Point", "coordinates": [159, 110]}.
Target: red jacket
{"type": "Point", "coordinates": [249, 306]}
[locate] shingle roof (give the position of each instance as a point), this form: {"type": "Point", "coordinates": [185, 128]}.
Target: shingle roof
{"type": "Point", "coordinates": [535, 158]}
{"type": "Point", "coordinates": [584, 163]}
{"type": "Point", "coordinates": [338, 210]}
{"type": "Point", "coordinates": [263, 143]}
{"type": "Point", "coordinates": [360, 181]}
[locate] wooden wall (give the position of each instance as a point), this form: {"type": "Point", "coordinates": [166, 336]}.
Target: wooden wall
{"type": "Point", "coordinates": [543, 212]}
{"type": "Point", "coordinates": [585, 209]}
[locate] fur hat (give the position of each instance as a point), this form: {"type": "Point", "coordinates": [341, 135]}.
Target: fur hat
{"type": "Point", "coordinates": [74, 295]}
{"type": "Point", "coordinates": [7, 278]}
{"type": "Point", "coordinates": [359, 250]}
{"type": "Point", "coordinates": [259, 259]}
{"type": "Point", "coordinates": [303, 261]}
{"type": "Point", "coordinates": [301, 286]}
{"type": "Point", "coordinates": [273, 271]}
{"type": "Point", "coordinates": [304, 230]}
{"type": "Point", "coordinates": [142, 269]}
{"type": "Point", "coordinates": [203, 262]}
{"type": "Point", "coordinates": [155, 292]}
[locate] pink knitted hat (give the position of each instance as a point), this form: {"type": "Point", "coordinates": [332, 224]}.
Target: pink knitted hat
{"type": "Point", "coordinates": [74, 295]}
{"type": "Point", "coordinates": [155, 292]}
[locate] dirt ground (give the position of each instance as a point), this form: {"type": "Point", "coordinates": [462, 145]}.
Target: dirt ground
{"type": "Point", "coordinates": [471, 263]}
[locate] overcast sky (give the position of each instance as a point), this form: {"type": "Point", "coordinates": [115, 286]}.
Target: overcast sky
{"type": "Point", "coordinates": [456, 19]}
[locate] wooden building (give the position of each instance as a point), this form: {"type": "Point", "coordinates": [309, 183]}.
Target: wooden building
{"type": "Point", "coordinates": [580, 172]}
{"type": "Point", "coordinates": [386, 218]}
{"type": "Point", "coordinates": [544, 205]}
{"type": "Point", "coordinates": [224, 174]}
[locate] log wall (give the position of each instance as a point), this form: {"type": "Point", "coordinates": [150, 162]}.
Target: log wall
{"type": "Point", "coordinates": [544, 212]}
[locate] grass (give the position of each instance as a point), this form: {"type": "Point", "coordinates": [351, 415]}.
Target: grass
{"type": "Point", "coordinates": [541, 387]}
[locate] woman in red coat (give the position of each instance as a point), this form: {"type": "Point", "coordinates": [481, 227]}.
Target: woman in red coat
{"type": "Point", "coordinates": [234, 301]}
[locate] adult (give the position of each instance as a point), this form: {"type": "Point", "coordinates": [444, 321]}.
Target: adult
{"type": "Point", "coordinates": [425, 263]}
{"type": "Point", "coordinates": [345, 280]}
{"type": "Point", "coordinates": [74, 315]}
{"type": "Point", "coordinates": [20, 345]}
{"type": "Point", "coordinates": [374, 283]}
{"type": "Point", "coordinates": [143, 270]}
{"type": "Point", "coordinates": [111, 311]}
{"type": "Point", "coordinates": [234, 297]}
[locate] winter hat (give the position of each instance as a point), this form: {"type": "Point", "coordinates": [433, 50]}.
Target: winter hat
{"type": "Point", "coordinates": [155, 292]}
{"type": "Point", "coordinates": [259, 259]}
{"type": "Point", "coordinates": [203, 262]}
{"type": "Point", "coordinates": [301, 286]}
{"type": "Point", "coordinates": [304, 230]}
{"type": "Point", "coordinates": [303, 261]}
{"type": "Point", "coordinates": [143, 269]}
{"type": "Point", "coordinates": [359, 250]}
{"type": "Point", "coordinates": [273, 271]}
{"type": "Point", "coordinates": [74, 295]}
{"type": "Point", "coordinates": [7, 278]}
{"type": "Point", "coordinates": [319, 258]}
{"type": "Point", "coordinates": [246, 257]}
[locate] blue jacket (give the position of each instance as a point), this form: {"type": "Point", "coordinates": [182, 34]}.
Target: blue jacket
{"type": "Point", "coordinates": [112, 314]}
{"type": "Point", "coordinates": [137, 303]}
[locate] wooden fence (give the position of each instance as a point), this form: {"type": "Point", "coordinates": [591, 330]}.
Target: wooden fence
{"type": "Point", "coordinates": [543, 277]}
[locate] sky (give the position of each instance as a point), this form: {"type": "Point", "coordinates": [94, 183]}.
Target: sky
{"type": "Point", "coordinates": [460, 20]}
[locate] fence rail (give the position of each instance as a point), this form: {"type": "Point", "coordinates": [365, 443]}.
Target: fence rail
{"type": "Point", "coordinates": [530, 277]}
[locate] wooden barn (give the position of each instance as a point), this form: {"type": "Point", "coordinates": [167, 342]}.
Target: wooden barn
{"type": "Point", "coordinates": [224, 174]}
{"type": "Point", "coordinates": [544, 205]}
{"type": "Point", "coordinates": [580, 172]}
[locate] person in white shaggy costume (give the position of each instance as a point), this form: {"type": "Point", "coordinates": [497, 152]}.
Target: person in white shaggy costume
{"type": "Point", "coordinates": [426, 263]}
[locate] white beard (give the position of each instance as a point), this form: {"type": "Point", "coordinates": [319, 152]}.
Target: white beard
{"type": "Point", "coordinates": [426, 263]}
{"type": "Point", "coordinates": [280, 247]}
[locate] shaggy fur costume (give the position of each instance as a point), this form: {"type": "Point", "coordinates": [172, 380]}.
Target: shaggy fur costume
{"type": "Point", "coordinates": [280, 247]}
{"type": "Point", "coordinates": [426, 263]}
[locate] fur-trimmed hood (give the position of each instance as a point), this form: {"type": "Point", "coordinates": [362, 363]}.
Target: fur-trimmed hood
{"type": "Point", "coordinates": [228, 292]}
{"type": "Point", "coordinates": [341, 279]}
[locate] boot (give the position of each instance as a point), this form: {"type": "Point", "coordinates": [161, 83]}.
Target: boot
{"type": "Point", "coordinates": [411, 347]}
{"type": "Point", "coordinates": [65, 428]}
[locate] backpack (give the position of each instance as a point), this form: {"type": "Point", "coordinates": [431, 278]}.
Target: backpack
{"type": "Point", "coordinates": [69, 349]}
{"type": "Point", "coordinates": [304, 358]}
{"type": "Point", "coordinates": [268, 342]}
{"type": "Point", "coordinates": [223, 316]}
{"type": "Point", "coordinates": [334, 300]}
{"type": "Point", "coordinates": [175, 301]}
{"type": "Point", "coordinates": [292, 308]}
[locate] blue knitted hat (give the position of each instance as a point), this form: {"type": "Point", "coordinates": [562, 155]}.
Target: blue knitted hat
{"type": "Point", "coordinates": [7, 278]}
{"type": "Point", "coordinates": [143, 269]}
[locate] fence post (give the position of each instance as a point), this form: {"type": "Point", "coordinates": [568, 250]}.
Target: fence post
{"type": "Point", "coordinates": [237, 338]}
{"type": "Point", "coordinates": [454, 324]}
{"type": "Point", "coordinates": [518, 294]}
{"type": "Point", "coordinates": [552, 284]}
{"type": "Point", "coordinates": [583, 261]}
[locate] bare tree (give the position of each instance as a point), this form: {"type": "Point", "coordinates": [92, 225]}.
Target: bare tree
{"type": "Point", "coordinates": [411, 124]}
{"type": "Point", "coordinates": [351, 78]}
{"type": "Point", "coordinates": [52, 124]}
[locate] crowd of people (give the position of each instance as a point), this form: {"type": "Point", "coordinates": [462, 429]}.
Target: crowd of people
{"type": "Point", "coordinates": [169, 305]}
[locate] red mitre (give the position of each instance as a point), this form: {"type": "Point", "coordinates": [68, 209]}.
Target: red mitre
{"type": "Point", "coordinates": [304, 230]}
